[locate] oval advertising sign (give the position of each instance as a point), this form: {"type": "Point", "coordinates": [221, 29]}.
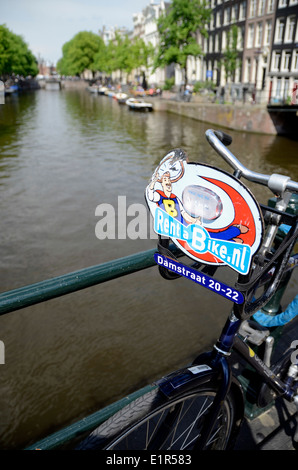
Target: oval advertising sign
{"type": "Point", "coordinates": [208, 213]}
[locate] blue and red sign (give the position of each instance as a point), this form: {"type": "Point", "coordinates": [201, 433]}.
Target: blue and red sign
{"type": "Point", "coordinates": [209, 214]}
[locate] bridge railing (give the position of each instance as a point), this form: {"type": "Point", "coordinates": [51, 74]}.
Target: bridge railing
{"type": "Point", "coordinates": [32, 294]}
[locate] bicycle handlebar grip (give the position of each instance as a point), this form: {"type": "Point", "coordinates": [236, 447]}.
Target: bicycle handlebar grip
{"type": "Point", "coordinates": [226, 139]}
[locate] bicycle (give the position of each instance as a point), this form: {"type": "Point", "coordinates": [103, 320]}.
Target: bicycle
{"type": "Point", "coordinates": [201, 406]}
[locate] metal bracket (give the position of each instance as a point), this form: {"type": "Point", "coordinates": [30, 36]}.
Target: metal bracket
{"type": "Point", "coordinates": [253, 332]}
{"type": "Point", "coordinates": [278, 183]}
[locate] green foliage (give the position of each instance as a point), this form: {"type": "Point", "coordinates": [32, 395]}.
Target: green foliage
{"type": "Point", "coordinates": [88, 51]}
{"type": "Point", "coordinates": [79, 53]}
{"type": "Point", "coordinates": [15, 56]}
{"type": "Point", "coordinates": [169, 83]}
{"type": "Point", "coordinates": [207, 85]}
{"type": "Point", "coordinates": [178, 32]}
{"type": "Point", "coordinates": [231, 54]}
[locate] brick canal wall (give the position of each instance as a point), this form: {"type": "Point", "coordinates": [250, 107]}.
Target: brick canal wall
{"type": "Point", "coordinates": [248, 118]}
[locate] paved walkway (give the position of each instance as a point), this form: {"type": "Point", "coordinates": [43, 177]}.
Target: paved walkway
{"type": "Point", "coordinates": [272, 430]}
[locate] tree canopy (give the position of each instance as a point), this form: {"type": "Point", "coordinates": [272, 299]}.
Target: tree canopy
{"type": "Point", "coordinates": [79, 53]}
{"type": "Point", "coordinates": [178, 28]}
{"type": "Point", "coordinates": [87, 50]}
{"type": "Point", "coordinates": [15, 56]}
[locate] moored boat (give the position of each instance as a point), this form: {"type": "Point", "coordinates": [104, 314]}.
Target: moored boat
{"type": "Point", "coordinates": [139, 105]}
{"type": "Point", "coordinates": [8, 90]}
{"type": "Point", "coordinates": [102, 90]}
{"type": "Point", "coordinates": [121, 97]}
{"type": "Point", "coordinates": [93, 89]}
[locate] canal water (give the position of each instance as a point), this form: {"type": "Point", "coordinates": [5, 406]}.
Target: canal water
{"type": "Point", "coordinates": [62, 155]}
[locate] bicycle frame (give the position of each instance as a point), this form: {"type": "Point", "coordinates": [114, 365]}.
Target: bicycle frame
{"type": "Point", "coordinates": [215, 366]}
{"type": "Point", "coordinates": [267, 271]}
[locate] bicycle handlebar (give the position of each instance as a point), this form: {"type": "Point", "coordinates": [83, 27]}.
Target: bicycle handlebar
{"type": "Point", "coordinates": [277, 183]}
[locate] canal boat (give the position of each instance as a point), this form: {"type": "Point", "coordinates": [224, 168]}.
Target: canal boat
{"type": "Point", "coordinates": [109, 92]}
{"type": "Point", "coordinates": [93, 89]}
{"type": "Point", "coordinates": [121, 97]}
{"type": "Point", "coordinates": [102, 90]}
{"type": "Point", "coordinates": [139, 105]}
{"type": "Point", "coordinates": [8, 90]}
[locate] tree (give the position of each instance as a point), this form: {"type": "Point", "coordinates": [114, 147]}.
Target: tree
{"type": "Point", "coordinates": [231, 55]}
{"type": "Point", "coordinates": [178, 32]}
{"type": "Point", "coordinates": [142, 54]}
{"type": "Point", "coordinates": [15, 56]}
{"type": "Point", "coordinates": [123, 59]}
{"type": "Point", "coordinates": [79, 53]}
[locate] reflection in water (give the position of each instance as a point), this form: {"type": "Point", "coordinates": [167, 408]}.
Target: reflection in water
{"type": "Point", "coordinates": [61, 155]}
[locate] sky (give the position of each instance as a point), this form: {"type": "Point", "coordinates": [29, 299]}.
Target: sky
{"type": "Point", "coordinates": [46, 25]}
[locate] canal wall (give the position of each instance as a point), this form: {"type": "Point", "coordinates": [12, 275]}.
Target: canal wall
{"type": "Point", "coordinates": [248, 118]}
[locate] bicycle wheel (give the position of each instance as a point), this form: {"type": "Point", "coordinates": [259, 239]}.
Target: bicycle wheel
{"type": "Point", "coordinates": [153, 422]}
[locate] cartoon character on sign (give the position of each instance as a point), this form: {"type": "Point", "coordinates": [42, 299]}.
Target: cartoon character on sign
{"type": "Point", "coordinates": [164, 197]}
{"type": "Point", "coordinates": [197, 200]}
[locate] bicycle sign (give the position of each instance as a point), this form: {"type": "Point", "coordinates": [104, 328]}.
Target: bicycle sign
{"type": "Point", "coordinates": [199, 278]}
{"type": "Point", "coordinates": [209, 214]}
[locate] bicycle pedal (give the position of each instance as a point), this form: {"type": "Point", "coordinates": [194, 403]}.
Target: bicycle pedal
{"type": "Point", "coordinates": [253, 332]}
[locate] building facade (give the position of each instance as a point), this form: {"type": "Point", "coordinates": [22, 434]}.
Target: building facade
{"type": "Point", "coordinates": [259, 27]}
{"type": "Point", "coordinates": [283, 71]}
{"type": "Point", "coordinates": [225, 15]}
{"type": "Point", "coordinates": [145, 27]}
{"type": "Point", "coordinates": [265, 47]}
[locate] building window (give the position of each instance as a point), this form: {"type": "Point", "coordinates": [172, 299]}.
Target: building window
{"type": "Point", "coordinates": [253, 8]}
{"type": "Point", "coordinates": [295, 60]}
{"type": "Point", "coordinates": [293, 2]}
{"type": "Point", "coordinates": [278, 88]}
{"type": "Point", "coordinates": [218, 19]}
{"type": "Point", "coordinates": [223, 40]}
{"type": "Point", "coordinates": [261, 9]}
{"type": "Point", "coordinates": [240, 38]}
{"type": "Point", "coordinates": [280, 25]}
{"type": "Point", "coordinates": [227, 15]}
{"type": "Point", "coordinates": [216, 43]}
{"type": "Point", "coordinates": [268, 29]}
{"type": "Point", "coordinates": [275, 61]}
{"type": "Point", "coordinates": [259, 34]}
{"type": "Point", "coordinates": [242, 14]}
{"type": "Point", "coordinates": [250, 37]}
{"type": "Point", "coordinates": [270, 6]}
{"type": "Point", "coordinates": [285, 63]}
{"type": "Point", "coordinates": [282, 3]}
{"type": "Point", "coordinates": [235, 12]}
{"type": "Point", "coordinates": [286, 88]}
{"type": "Point", "coordinates": [210, 43]}
{"type": "Point", "coordinates": [290, 27]}
{"type": "Point", "coordinates": [247, 70]}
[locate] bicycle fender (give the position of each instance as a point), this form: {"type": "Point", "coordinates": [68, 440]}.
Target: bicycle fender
{"type": "Point", "coordinates": [186, 379]}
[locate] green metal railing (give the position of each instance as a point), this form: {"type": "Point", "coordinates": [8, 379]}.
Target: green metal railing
{"type": "Point", "coordinates": [75, 281]}
{"type": "Point", "coordinates": [62, 285]}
